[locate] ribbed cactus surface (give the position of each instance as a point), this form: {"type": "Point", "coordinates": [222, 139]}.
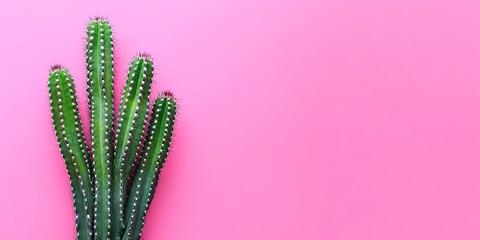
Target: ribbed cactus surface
{"type": "Point", "coordinates": [131, 119]}
{"type": "Point", "coordinates": [68, 129]}
{"type": "Point", "coordinates": [99, 59]}
{"type": "Point", "coordinates": [100, 174]}
{"type": "Point", "coordinates": [155, 152]}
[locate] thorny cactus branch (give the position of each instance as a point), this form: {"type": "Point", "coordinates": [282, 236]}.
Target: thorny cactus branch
{"type": "Point", "coordinates": [69, 133]}
{"type": "Point", "coordinates": [131, 119]}
{"type": "Point", "coordinates": [153, 158]}
{"type": "Point", "coordinates": [99, 59]}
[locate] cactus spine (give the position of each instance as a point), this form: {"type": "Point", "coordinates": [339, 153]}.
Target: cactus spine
{"type": "Point", "coordinates": [131, 119]}
{"type": "Point", "coordinates": [153, 158]}
{"type": "Point", "coordinates": [99, 59]}
{"type": "Point", "coordinates": [68, 129]}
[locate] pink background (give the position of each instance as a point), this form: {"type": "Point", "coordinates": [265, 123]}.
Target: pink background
{"type": "Point", "coordinates": [313, 119]}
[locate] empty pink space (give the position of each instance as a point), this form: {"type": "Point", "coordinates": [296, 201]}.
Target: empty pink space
{"type": "Point", "coordinates": [312, 119]}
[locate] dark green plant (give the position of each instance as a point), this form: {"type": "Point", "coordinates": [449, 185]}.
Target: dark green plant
{"type": "Point", "coordinates": [105, 207]}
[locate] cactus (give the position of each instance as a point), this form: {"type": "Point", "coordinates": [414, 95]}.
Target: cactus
{"type": "Point", "coordinates": [131, 119]}
{"type": "Point", "coordinates": [68, 129]}
{"type": "Point", "coordinates": [99, 176]}
{"type": "Point", "coordinates": [99, 59]}
{"type": "Point", "coordinates": [154, 153]}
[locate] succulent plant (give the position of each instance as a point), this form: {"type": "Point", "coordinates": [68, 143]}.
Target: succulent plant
{"type": "Point", "coordinates": [99, 174]}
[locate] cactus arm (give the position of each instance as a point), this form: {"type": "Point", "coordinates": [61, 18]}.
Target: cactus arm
{"type": "Point", "coordinates": [132, 115]}
{"type": "Point", "coordinates": [72, 144]}
{"type": "Point", "coordinates": [153, 158]}
{"type": "Point", "coordinates": [99, 58]}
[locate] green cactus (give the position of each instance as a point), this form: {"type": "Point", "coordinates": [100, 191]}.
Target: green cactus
{"type": "Point", "coordinates": [99, 59]}
{"type": "Point", "coordinates": [68, 129]}
{"type": "Point", "coordinates": [105, 208]}
{"type": "Point", "coordinates": [131, 119]}
{"type": "Point", "coordinates": [153, 158]}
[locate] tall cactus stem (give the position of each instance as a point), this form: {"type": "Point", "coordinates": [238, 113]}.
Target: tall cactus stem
{"type": "Point", "coordinates": [132, 115]}
{"type": "Point", "coordinates": [69, 133]}
{"type": "Point", "coordinates": [154, 153]}
{"type": "Point", "coordinates": [99, 60]}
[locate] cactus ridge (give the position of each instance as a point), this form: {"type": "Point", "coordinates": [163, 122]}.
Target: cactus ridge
{"type": "Point", "coordinates": [132, 116]}
{"type": "Point", "coordinates": [99, 60]}
{"type": "Point", "coordinates": [69, 133]}
{"type": "Point", "coordinates": [153, 159]}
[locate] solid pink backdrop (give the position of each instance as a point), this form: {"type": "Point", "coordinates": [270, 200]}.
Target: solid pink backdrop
{"type": "Point", "coordinates": [313, 119]}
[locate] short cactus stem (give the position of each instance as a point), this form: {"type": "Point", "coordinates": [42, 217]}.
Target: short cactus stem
{"type": "Point", "coordinates": [154, 153]}
{"type": "Point", "coordinates": [69, 133]}
{"type": "Point", "coordinates": [99, 59]}
{"type": "Point", "coordinates": [131, 119]}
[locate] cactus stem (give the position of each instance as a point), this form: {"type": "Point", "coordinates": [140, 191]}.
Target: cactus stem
{"type": "Point", "coordinates": [146, 177]}
{"type": "Point", "coordinates": [73, 147]}
{"type": "Point", "coordinates": [99, 58]}
{"type": "Point", "coordinates": [132, 115]}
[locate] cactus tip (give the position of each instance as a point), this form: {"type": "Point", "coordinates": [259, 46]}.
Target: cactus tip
{"type": "Point", "coordinates": [56, 67]}
{"type": "Point", "coordinates": [144, 55]}
{"type": "Point", "coordinates": [168, 94]}
{"type": "Point", "coordinates": [98, 19]}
